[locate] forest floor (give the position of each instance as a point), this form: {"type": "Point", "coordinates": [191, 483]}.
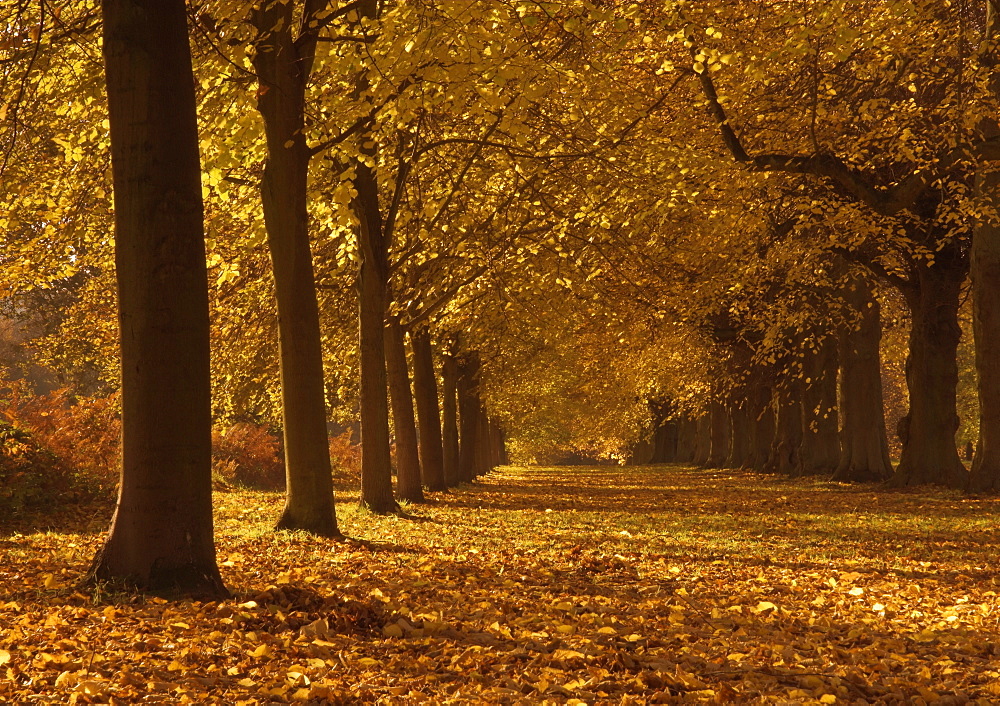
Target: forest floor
{"type": "Point", "coordinates": [537, 585]}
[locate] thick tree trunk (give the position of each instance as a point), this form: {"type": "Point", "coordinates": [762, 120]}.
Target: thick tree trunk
{"type": "Point", "coordinates": [161, 537]}
{"type": "Point", "coordinates": [740, 425]}
{"type": "Point", "coordinates": [283, 65]}
{"type": "Point", "coordinates": [428, 417]}
{"type": "Point", "coordinates": [665, 442]}
{"type": "Point", "coordinates": [929, 453]}
{"type": "Point", "coordinates": [686, 430]}
{"type": "Point", "coordinates": [985, 270]}
{"type": "Point", "coordinates": [468, 411]}
{"type": "Point", "coordinates": [864, 455]}
{"type": "Point", "coordinates": [820, 426]}
{"type": "Point", "coordinates": [785, 456]}
{"type": "Point", "coordinates": [702, 440]}
{"type": "Point", "coordinates": [762, 427]}
{"type": "Point", "coordinates": [449, 420]}
{"type": "Point", "coordinates": [720, 435]}
{"type": "Point", "coordinates": [408, 486]}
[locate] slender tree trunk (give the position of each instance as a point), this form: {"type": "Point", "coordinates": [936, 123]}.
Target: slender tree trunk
{"type": "Point", "coordinates": [740, 436]}
{"type": "Point", "coordinates": [820, 426]}
{"type": "Point", "coordinates": [686, 429]}
{"type": "Point", "coordinates": [864, 455]}
{"type": "Point", "coordinates": [283, 65]}
{"type": "Point", "coordinates": [929, 453]}
{"type": "Point", "coordinates": [161, 537]}
{"type": "Point", "coordinates": [373, 285]}
{"type": "Point", "coordinates": [702, 440]}
{"type": "Point", "coordinates": [449, 420]}
{"type": "Point", "coordinates": [787, 445]}
{"type": "Point", "coordinates": [428, 418]}
{"type": "Point", "coordinates": [985, 270]}
{"type": "Point", "coordinates": [719, 435]}
{"type": "Point", "coordinates": [408, 486]}
{"type": "Point", "coordinates": [468, 411]}
{"type": "Point", "coordinates": [483, 457]}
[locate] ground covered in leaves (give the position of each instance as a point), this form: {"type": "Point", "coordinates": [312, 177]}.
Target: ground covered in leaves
{"type": "Point", "coordinates": [537, 585]}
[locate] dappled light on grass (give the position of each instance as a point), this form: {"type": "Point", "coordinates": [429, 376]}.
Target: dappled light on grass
{"type": "Point", "coordinates": [604, 585]}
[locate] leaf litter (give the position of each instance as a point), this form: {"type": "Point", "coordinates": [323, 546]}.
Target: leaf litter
{"type": "Point", "coordinates": [633, 585]}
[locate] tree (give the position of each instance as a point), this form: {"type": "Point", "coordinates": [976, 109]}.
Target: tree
{"type": "Point", "coordinates": [161, 536]}
{"type": "Point", "coordinates": [985, 266]}
{"type": "Point", "coordinates": [283, 63]}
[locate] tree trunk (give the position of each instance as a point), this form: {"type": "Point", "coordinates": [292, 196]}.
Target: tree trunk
{"type": "Point", "coordinates": [985, 270]}
{"type": "Point", "coordinates": [484, 459]}
{"type": "Point", "coordinates": [740, 435]}
{"type": "Point", "coordinates": [449, 420]}
{"type": "Point", "coordinates": [820, 427]}
{"type": "Point", "coordinates": [283, 65]}
{"type": "Point", "coordinates": [719, 435]}
{"type": "Point", "coordinates": [665, 442]}
{"type": "Point", "coordinates": [929, 453]}
{"type": "Point", "coordinates": [408, 485]}
{"type": "Point", "coordinates": [686, 428]}
{"type": "Point", "coordinates": [373, 283]}
{"type": "Point", "coordinates": [468, 412]}
{"type": "Point", "coordinates": [787, 445]}
{"type": "Point", "coordinates": [702, 440]}
{"type": "Point", "coordinates": [161, 537]}
{"type": "Point", "coordinates": [428, 418]}
{"type": "Point", "coordinates": [864, 449]}
{"type": "Point", "coordinates": [762, 427]}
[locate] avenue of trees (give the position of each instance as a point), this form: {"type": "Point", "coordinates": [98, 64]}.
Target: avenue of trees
{"type": "Point", "coordinates": [476, 230]}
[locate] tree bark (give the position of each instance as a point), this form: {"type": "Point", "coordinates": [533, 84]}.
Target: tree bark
{"type": "Point", "coordinates": [762, 427]}
{"type": "Point", "coordinates": [702, 440]}
{"type": "Point", "coordinates": [665, 442]}
{"type": "Point", "coordinates": [283, 65]}
{"type": "Point", "coordinates": [719, 436]}
{"type": "Point", "coordinates": [408, 486]}
{"type": "Point", "coordinates": [864, 450]}
{"type": "Point", "coordinates": [686, 428]}
{"type": "Point", "coordinates": [929, 453]}
{"type": "Point", "coordinates": [428, 417]}
{"type": "Point", "coordinates": [373, 286]}
{"type": "Point", "coordinates": [985, 271]}
{"type": "Point", "coordinates": [740, 435]}
{"type": "Point", "coordinates": [449, 420]}
{"type": "Point", "coordinates": [820, 426]}
{"type": "Point", "coordinates": [161, 537]}
{"type": "Point", "coordinates": [786, 448]}
{"type": "Point", "coordinates": [468, 411]}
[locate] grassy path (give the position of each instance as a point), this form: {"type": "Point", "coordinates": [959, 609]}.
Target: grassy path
{"type": "Point", "coordinates": [560, 585]}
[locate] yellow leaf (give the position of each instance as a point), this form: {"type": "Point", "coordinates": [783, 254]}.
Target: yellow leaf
{"type": "Point", "coordinates": [261, 651]}
{"type": "Point", "coordinates": [856, 591]}
{"type": "Point", "coordinates": [764, 606]}
{"type": "Point", "coordinates": [828, 699]}
{"type": "Point", "coordinates": [50, 581]}
{"type": "Point", "coordinates": [4, 656]}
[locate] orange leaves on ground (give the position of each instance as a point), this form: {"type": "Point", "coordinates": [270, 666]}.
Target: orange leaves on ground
{"type": "Point", "coordinates": [572, 585]}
